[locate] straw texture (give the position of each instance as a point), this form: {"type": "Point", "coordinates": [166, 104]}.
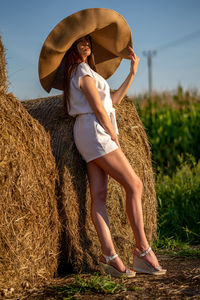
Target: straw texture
{"type": "Point", "coordinates": [29, 224]}
{"type": "Point", "coordinates": [3, 74]}
{"type": "Point", "coordinates": [79, 245]}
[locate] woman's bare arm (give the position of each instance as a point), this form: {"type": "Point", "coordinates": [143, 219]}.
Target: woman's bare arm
{"type": "Point", "coordinates": [119, 94]}
{"type": "Point", "coordinates": [90, 91]}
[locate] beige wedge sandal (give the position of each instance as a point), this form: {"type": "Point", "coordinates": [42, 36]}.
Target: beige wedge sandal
{"type": "Point", "coordinates": [140, 265]}
{"type": "Point", "coordinates": [113, 271]}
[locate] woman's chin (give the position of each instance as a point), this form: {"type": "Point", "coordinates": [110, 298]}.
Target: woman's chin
{"type": "Point", "coordinates": [85, 56]}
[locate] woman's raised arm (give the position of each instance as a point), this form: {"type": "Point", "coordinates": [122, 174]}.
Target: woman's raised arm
{"type": "Point", "coordinates": [119, 94]}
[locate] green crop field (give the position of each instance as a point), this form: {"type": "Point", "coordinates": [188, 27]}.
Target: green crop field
{"type": "Point", "coordinates": [172, 123]}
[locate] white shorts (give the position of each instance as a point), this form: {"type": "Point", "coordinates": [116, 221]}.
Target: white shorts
{"type": "Point", "coordinates": [91, 140]}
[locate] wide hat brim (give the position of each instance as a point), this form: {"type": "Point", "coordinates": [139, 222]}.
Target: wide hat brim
{"type": "Point", "coordinates": [110, 36]}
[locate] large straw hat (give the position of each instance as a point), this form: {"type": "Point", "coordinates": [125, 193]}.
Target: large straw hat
{"type": "Point", "coordinates": [110, 35]}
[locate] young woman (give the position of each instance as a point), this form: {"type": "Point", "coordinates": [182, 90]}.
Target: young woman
{"type": "Point", "coordinates": [88, 98]}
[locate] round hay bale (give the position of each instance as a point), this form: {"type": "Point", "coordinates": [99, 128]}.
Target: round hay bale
{"type": "Point", "coordinates": [80, 246]}
{"type": "Point", "coordinates": [29, 226]}
{"type": "Point", "coordinates": [3, 73]}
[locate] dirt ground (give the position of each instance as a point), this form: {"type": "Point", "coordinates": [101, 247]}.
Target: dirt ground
{"type": "Point", "coordinates": [182, 281]}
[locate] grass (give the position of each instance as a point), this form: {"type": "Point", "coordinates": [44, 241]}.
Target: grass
{"type": "Point", "coordinates": [178, 204]}
{"type": "Point", "coordinates": [176, 248]}
{"type": "Point", "coordinates": [188, 253]}
{"type": "Point", "coordinates": [96, 284]}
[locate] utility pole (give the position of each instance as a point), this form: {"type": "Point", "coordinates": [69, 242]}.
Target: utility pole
{"type": "Point", "coordinates": [149, 55]}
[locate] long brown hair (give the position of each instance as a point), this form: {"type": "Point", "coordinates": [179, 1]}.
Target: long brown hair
{"type": "Point", "coordinates": [72, 60]}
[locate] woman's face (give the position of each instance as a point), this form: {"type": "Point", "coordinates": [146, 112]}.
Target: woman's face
{"type": "Point", "coordinates": [84, 47]}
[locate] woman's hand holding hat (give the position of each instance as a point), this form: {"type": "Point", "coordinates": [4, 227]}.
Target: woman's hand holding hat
{"type": "Point", "coordinates": [134, 61]}
{"type": "Point", "coordinates": [119, 94]}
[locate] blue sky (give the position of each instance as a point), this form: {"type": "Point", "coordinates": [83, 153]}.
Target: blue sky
{"type": "Point", "coordinates": [25, 24]}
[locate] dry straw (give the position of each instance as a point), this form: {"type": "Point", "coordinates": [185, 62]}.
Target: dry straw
{"type": "Point", "coordinates": [29, 226]}
{"type": "Point", "coordinates": [3, 74]}
{"type": "Point", "coordinates": [79, 245]}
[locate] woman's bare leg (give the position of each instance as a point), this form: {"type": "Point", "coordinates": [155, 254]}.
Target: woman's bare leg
{"type": "Point", "coordinates": [117, 166]}
{"type": "Point", "coordinates": [98, 180]}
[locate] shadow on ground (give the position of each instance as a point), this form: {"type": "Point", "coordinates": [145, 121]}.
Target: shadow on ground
{"type": "Point", "coordinates": [182, 281]}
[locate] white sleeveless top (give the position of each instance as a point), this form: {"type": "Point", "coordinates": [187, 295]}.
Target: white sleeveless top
{"type": "Point", "coordinates": [79, 103]}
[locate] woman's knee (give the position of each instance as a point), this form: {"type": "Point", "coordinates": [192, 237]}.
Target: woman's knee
{"type": "Point", "coordinates": [139, 184]}
{"type": "Point", "coordinates": [99, 194]}
{"type": "Point", "coordinates": [135, 186]}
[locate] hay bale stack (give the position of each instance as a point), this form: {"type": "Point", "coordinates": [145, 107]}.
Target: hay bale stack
{"type": "Point", "coordinates": [80, 245]}
{"type": "Point", "coordinates": [29, 226]}
{"type": "Point", "coordinates": [3, 74]}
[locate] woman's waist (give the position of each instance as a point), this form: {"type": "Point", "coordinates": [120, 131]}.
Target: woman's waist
{"type": "Point", "coordinates": [111, 114]}
{"type": "Point", "coordinates": [110, 111]}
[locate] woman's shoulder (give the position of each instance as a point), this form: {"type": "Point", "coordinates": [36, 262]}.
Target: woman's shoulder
{"type": "Point", "coordinates": [83, 69]}
{"type": "Point", "coordinates": [84, 66]}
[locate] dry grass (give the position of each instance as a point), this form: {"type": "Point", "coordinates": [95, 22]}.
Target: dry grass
{"type": "Point", "coordinates": [29, 226]}
{"type": "Point", "coordinates": [80, 246]}
{"type": "Point", "coordinates": [3, 74]}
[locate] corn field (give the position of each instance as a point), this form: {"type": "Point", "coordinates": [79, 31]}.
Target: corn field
{"type": "Point", "coordinates": [172, 123]}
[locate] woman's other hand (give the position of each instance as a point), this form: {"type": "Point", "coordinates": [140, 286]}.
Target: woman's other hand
{"type": "Point", "coordinates": [134, 61]}
{"type": "Point", "coordinates": [115, 139]}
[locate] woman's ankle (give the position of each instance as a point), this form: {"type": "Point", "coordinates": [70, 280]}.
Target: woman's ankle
{"type": "Point", "coordinates": [142, 247]}
{"type": "Point", "coordinates": [108, 252]}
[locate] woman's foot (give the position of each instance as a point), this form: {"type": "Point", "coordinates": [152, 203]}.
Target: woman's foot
{"type": "Point", "coordinates": [150, 257]}
{"type": "Point", "coordinates": [116, 263]}
{"type": "Point", "coordinates": [146, 262]}
{"type": "Point", "coordinates": [114, 266]}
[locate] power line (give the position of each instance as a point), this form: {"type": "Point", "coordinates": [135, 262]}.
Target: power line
{"type": "Point", "coordinates": [150, 53]}
{"type": "Point", "coordinates": [179, 41]}
{"type": "Point", "coordinates": [19, 70]}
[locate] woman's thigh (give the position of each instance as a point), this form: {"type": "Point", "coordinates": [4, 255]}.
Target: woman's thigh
{"type": "Point", "coordinates": [118, 167]}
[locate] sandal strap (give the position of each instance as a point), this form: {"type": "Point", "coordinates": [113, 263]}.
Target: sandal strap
{"type": "Point", "coordinates": [109, 258]}
{"type": "Point", "coordinates": [142, 254]}
{"type": "Point", "coordinates": [128, 271]}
